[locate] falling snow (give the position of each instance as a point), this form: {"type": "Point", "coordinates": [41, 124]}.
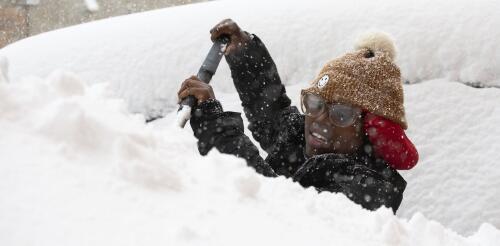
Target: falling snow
{"type": "Point", "coordinates": [75, 161]}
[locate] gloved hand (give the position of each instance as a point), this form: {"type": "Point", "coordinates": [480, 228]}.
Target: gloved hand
{"type": "Point", "coordinates": [390, 142]}
{"type": "Point", "coordinates": [229, 28]}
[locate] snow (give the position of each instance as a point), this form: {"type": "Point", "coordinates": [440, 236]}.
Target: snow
{"type": "Point", "coordinates": [183, 116]}
{"type": "Point", "coordinates": [4, 68]}
{"type": "Point", "coordinates": [78, 165]}
{"type": "Point", "coordinates": [144, 56]}
{"type": "Point", "coordinates": [92, 5]}
{"type": "Point", "coordinates": [456, 130]}
{"type": "Point", "coordinates": [78, 169]}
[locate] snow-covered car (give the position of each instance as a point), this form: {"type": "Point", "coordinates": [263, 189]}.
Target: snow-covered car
{"type": "Point", "coordinates": [78, 165]}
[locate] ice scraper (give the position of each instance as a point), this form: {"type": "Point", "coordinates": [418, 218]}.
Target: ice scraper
{"type": "Point", "coordinates": [207, 70]}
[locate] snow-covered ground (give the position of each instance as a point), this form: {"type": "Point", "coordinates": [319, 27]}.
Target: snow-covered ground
{"type": "Point", "coordinates": [77, 168]}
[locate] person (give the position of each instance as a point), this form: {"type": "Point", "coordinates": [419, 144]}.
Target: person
{"type": "Point", "coordinates": [350, 139]}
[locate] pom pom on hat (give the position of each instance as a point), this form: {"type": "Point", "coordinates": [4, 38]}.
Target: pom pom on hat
{"type": "Point", "coordinates": [377, 42]}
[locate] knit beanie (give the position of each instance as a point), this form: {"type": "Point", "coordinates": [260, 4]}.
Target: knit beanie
{"type": "Point", "coordinates": [367, 78]}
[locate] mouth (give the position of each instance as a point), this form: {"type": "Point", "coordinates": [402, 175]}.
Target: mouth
{"type": "Point", "coordinates": [319, 137]}
{"type": "Point", "coordinates": [316, 139]}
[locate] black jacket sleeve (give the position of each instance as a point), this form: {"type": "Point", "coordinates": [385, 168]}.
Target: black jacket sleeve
{"type": "Point", "coordinates": [364, 185]}
{"type": "Point", "coordinates": [262, 94]}
{"type": "Point", "coordinates": [224, 131]}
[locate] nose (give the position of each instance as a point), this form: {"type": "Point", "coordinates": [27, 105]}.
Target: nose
{"type": "Point", "coordinates": [322, 120]}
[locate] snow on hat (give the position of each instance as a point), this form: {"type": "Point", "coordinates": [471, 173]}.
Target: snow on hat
{"type": "Point", "coordinates": [367, 78]}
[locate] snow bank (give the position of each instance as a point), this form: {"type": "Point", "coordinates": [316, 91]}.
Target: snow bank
{"type": "Point", "coordinates": [145, 56]}
{"type": "Point", "coordinates": [456, 129]}
{"type": "Point", "coordinates": [77, 169]}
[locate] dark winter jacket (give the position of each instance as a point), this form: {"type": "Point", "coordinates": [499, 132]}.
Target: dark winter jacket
{"type": "Point", "coordinates": [279, 129]}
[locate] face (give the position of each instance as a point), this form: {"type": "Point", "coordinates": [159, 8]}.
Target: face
{"type": "Point", "coordinates": [324, 135]}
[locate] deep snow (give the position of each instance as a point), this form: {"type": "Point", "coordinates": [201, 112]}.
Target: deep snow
{"type": "Point", "coordinates": [78, 169]}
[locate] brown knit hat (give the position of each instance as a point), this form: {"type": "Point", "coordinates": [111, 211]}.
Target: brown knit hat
{"type": "Point", "coordinates": [367, 78]}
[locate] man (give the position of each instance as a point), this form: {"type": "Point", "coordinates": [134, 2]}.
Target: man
{"type": "Point", "coordinates": [350, 139]}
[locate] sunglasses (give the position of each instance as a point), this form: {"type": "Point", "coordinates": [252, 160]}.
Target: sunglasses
{"type": "Point", "coordinates": [341, 115]}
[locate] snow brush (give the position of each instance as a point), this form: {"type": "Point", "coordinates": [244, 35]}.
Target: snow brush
{"type": "Point", "coordinates": [207, 70]}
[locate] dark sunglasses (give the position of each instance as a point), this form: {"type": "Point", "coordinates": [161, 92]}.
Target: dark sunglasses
{"type": "Point", "coordinates": [341, 115]}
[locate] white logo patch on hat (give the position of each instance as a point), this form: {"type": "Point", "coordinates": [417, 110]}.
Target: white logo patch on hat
{"type": "Point", "coordinates": [323, 81]}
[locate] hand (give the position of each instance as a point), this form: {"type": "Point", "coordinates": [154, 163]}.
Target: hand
{"type": "Point", "coordinates": [197, 88]}
{"type": "Point", "coordinates": [229, 28]}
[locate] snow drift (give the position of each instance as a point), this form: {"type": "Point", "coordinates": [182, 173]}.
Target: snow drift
{"type": "Point", "coordinates": [78, 169]}
{"type": "Point", "coordinates": [144, 56]}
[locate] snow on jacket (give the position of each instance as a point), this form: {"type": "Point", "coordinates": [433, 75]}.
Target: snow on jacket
{"type": "Point", "coordinates": [279, 129]}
